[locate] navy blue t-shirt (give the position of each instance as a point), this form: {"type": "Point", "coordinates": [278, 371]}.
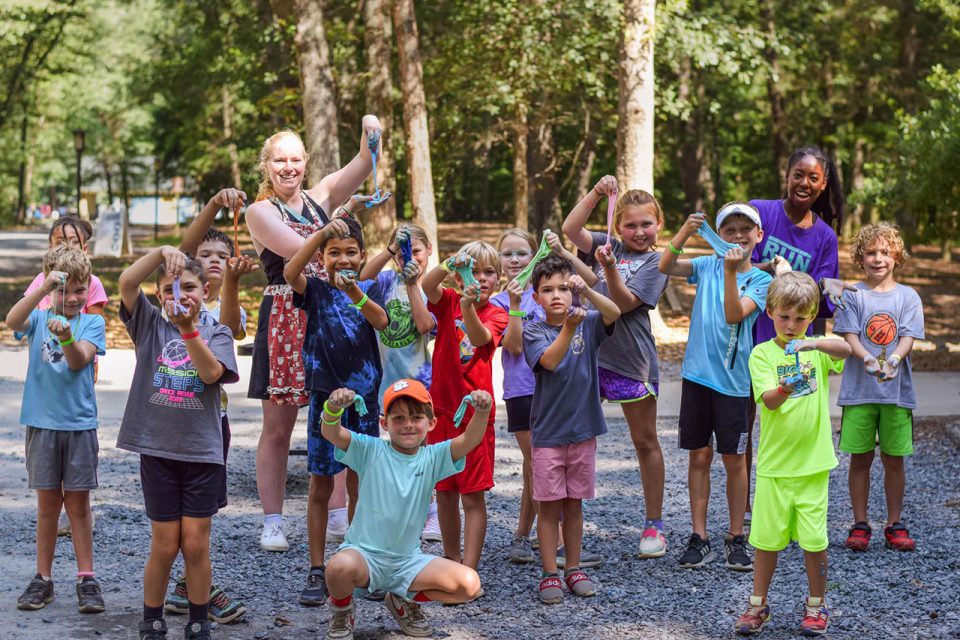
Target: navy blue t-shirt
{"type": "Point", "coordinates": [340, 348]}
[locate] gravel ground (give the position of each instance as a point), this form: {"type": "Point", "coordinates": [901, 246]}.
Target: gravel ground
{"type": "Point", "coordinates": [880, 594]}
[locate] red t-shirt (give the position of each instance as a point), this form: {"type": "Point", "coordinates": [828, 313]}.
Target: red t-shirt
{"type": "Point", "coordinates": [459, 367]}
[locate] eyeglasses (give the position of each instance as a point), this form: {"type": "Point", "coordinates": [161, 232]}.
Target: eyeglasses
{"type": "Point", "coordinates": [515, 255]}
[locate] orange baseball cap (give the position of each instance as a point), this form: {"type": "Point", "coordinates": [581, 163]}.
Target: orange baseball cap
{"type": "Point", "coordinates": [406, 388]}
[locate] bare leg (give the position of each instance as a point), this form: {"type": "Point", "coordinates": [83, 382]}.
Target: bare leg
{"type": "Point", "coordinates": [736, 490]}
{"type": "Point", "coordinates": [272, 452]}
{"type": "Point", "coordinates": [164, 547]}
{"type": "Point", "coordinates": [572, 530]}
{"type": "Point", "coordinates": [49, 502]}
{"type": "Point", "coordinates": [698, 481]}
{"type": "Point", "coordinates": [448, 515]}
{"type": "Point", "coordinates": [474, 526]}
{"type": "Point", "coordinates": [77, 504]}
{"type": "Point", "coordinates": [346, 570]}
{"type": "Point", "coordinates": [195, 546]}
{"type": "Point", "coordinates": [338, 498]}
{"type": "Point", "coordinates": [548, 529]}
{"type": "Point", "coordinates": [859, 483]}
{"type": "Point", "coordinates": [764, 564]}
{"type": "Point", "coordinates": [447, 581]}
{"type": "Point", "coordinates": [317, 498]}
{"type": "Point", "coordinates": [894, 485]}
{"type": "Point", "coordinates": [641, 417]}
{"type": "Point", "coordinates": [352, 485]}
{"type": "Point", "coordinates": [816, 565]}
{"type": "Point", "coordinates": [528, 508]}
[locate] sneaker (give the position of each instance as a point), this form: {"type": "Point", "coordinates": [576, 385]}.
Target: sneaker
{"type": "Point", "coordinates": [409, 615]}
{"type": "Point", "coordinates": [520, 550]}
{"type": "Point", "coordinates": [588, 560]}
{"type": "Point", "coordinates": [579, 584]}
{"type": "Point", "coordinates": [431, 530]}
{"type": "Point", "coordinates": [341, 622]}
{"type": "Point", "coordinates": [697, 553]}
{"type": "Point", "coordinates": [551, 590]}
{"type": "Point", "coordinates": [816, 617]}
{"type": "Point", "coordinates": [735, 553]}
{"type": "Point", "coordinates": [89, 596]}
{"type": "Point", "coordinates": [176, 601]}
{"type": "Point", "coordinates": [315, 593]}
{"type": "Point", "coordinates": [859, 537]}
{"type": "Point", "coordinates": [155, 629]}
{"type": "Point", "coordinates": [535, 542]}
{"type": "Point", "coordinates": [272, 538]}
{"type": "Point", "coordinates": [653, 544]}
{"type": "Point", "coordinates": [755, 618]}
{"type": "Point", "coordinates": [337, 524]}
{"type": "Point", "coordinates": [37, 595]}
{"type": "Point", "coordinates": [223, 608]}
{"type": "Point", "coordinates": [897, 537]}
{"type": "Point", "coordinates": [63, 523]}
{"type": "Point", "coordinates": [196, 630]}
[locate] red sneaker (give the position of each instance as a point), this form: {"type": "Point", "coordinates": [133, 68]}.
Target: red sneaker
{"type": "Point", "coordinates": [859, 537]}
{"type": "Point", "coordinates": [899, 538]}
{"type": "Point", "coordinates": [755, 618]}
{"type": "Point", "coordinates": [816, 617]}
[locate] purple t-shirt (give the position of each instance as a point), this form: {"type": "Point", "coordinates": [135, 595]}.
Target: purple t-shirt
{"type": "Point", "coordinates": [518, 379]}
{"type": "Point", "coordinates": [813, 251]}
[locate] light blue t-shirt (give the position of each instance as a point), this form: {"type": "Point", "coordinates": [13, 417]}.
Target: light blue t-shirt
{"type": "Point", "coordinates": [718, 353]}
{"type": "Point", "coordinates": [394, 494]}
{"type": "Point", "coordinates": [54, 396]}
{"type": "Point", "coordinates": [404, 351]}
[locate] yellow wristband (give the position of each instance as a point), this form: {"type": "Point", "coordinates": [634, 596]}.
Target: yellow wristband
{"type": "Point", "coordinates": [445, 266]}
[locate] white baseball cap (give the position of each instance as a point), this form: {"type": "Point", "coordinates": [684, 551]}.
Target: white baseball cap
{"type": "Point", "coordinates": [738, 209]}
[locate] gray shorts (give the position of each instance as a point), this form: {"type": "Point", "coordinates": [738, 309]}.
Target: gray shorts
{"type": "Point", "coordinates": [62, 458]}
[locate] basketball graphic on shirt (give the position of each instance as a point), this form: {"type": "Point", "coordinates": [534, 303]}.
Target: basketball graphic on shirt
{"type": "Point", "coordinates": [881, 329]}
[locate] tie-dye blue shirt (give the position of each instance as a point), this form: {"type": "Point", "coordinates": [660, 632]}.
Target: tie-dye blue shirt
{"type": "Point", "coordinates": [340, 348]}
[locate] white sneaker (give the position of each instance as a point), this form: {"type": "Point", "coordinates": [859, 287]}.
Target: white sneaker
{"type": "Point", "coordinates": [337, 523]}
{"type": "Point", "coordinates": [272, 538]}
{"type": "Point", "coordinates": [431, 530]}
{"type": "Point", "coordinates": [63, 523]}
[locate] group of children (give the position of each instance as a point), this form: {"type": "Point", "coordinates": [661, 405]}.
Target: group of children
{"type": "Point", "coordinates": [575, 329]}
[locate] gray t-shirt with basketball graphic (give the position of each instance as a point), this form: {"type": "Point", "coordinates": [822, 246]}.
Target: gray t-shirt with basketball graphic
{"type": "Point", "coordinates": [880, 319]}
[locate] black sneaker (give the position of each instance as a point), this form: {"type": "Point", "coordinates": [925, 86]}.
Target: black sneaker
{"type": "Point", "coordinates": [735, 553]}
{"type": "Point", "coordinates": [37, 595]}
{"type": "Point", "coordinates": [89, 596]}
{"type": "Point", "coordinates": [155, 629]}
{"type": "Point", "coordinates": [196, 630]}
{"type": "Point", "coordinates": [697, 553]}
{"type": "Point", "coordinates": [315, 593]}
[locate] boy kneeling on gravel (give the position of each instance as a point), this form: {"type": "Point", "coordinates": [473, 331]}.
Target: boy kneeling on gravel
{"type": "Point", "coordinates": [381, 550]}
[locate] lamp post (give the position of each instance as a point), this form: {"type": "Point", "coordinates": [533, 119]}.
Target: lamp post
{"type": "Point", "coordinates": [78, 145]}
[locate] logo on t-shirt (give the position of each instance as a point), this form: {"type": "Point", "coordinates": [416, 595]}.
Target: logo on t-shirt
{"type": "Point", "coordinates": [176, 381]}
{"type": "Point", "coordinates": [806, 386]}
{"type": "Point", "coordinates": [466, 347]}
{"type": "Point", "coordinates": [401, 330]}
{"type": "Point", "coordinates": [51, 352]}
{"type": "Point", "coordinates": [881, 330]}
{"type": "Point", "coordinates": [798, 258]}
{"type": "Point", "coordinates": [576, 345]}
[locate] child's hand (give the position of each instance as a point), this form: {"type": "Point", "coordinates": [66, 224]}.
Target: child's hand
{"type": "Point", "coordinates": [605, 257]}
{"type": "Point", "coordinates": [174, 261]}
{"type": "Point", "coordinates": [60, 328]}
{"type": "Point", "coordinates": [340, 399]}
{"type": "Point", "coordinates": [343, 279]}
{"type": "Point", "coordinates": [795, 346]}
{"type": "Point", "coordinates": [872, 366]}
{"type": "Point", "coordinates": [471, 293]}
{"type": "Point", "coordinates": [606, 186]}
{"type": "Point", "coordinates": [789, 383]}
{"type": "Point", "coordinates": [459, 260]}
{"type": "Point", "coordinates": [371, 127]}
{"type": "Point", "coordinates": [240, 266]}
{"type": "Point", "coordinates": [890, 369]}
{"type": "Point", "coordinates": [833, 289]}
{"type": "Point", "coordinates": [576, 284]}
{"type": "Point", "coordinates": [184, 317]}
{"type": "Point", "coordinates": [515, 291]}
{"type": "Point", "coordinates": [691, 224]}
{"type": "Point", "coordinates": [410, 272]}
{"type": "Point", "coordinates": [402, 235]}
{"type": "Point", "coordinates": [481, 400]}
{"type": "Point", "coordinates": [733, 259]}
{"type": "Point", "coordinates": [556, 244]}
{"type": "Point", "coordinates": [336, 228]}
{"type": "Point", "coordinates": [575, 315]}
{"type": "Point", "coordinates": [230, 199]}
{"type": "Point", "coordinates": [359, 202]}
{"type": "Point", "coordinates": [780, 265]}
{"type": "Point", "coordinates": [55, 280]}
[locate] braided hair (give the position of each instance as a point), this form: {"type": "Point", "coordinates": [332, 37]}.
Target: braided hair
{"type": "Point", "coordinates": [829, 206]}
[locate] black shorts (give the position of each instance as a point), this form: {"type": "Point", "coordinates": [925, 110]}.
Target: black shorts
{"type": "Point", "coordinates": [173, 489]}
{"type": "Point", "coordinates": [705, 413]}
{"type": "Point", "coordinates": [260, 366]}
{"type": "Point", "coordinates": [518, 413]}
{"type": "Point", "coordinates": [225, 429]}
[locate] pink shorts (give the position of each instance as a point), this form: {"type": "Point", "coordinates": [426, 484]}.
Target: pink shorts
{"type": "Point", "coordinates": [564, 472]}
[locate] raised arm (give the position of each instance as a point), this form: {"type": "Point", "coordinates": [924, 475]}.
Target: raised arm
{"type": "Point", "coordinates": [231, 199]}
{"type": "Point", "coordinates": [330, 425]}
{"type": "Point", "coordinates": [625, 299]}
{"type": "Point", "coordinates": [134, 275]}
{"type": "Point", "coordinates": [579, 266]}
{"type": "Point", "coordinates": [573, 225]}
{"type": "Point", "coordinates": [230, 315]}
{"type": "Point", "coordinates": [208, 367]}
{"type": "Point", "coordinates": [669, 263]}
{"type": "Point", "coordinates": [422, 318]}
{"type": "Point", "coordinates": [476, 428]}
{"type": "Point", "coordinates": [478, 334]}
{"type": "Point", "coordinates": [18, 318]}
{"type": "Point", "coordinates": [552, 356]}
{"type": "Point", "coordinates": [293, 270]}
{"type": "Point", "coordinates": [607, 307]}
{"type": "Point", "coordinates": [432, 283]}
{"type": "Point", "coordinates": [336, 188]}
{"type": "Point", "coordinates": [735, 307]}
{"type": "Point", "coordinates": [513, 336]}
{"type": "Point", "coordinates": [268, 230]}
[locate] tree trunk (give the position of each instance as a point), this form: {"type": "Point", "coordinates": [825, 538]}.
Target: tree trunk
{"type": "Point", "coordinates": [22, 177]}
{"type": "Point", "coordinates": [692, 149]}
{"type": "Point", "coordinates": [108, 174]}
{"type": "Point", "coordinates": [778, 125]}
{"type": "Point", "coordinates": [854, 220]}
{"type": "Point", "coordinates": [232, 151]}
{"type": "Point", "coordinates": [415, 121]}
{"type": "Point", "coordinates": [636, 78]}
{"type": "Point", "coordinates": [319, 96]}
{"type": "Point", "coordinates": [544, 201]}
{"type": "Point", "coordinates": [521, 188]}
{"type": "Point", "coordinates": [126, 247]}
{"type": "Point", "coordinates": [382, 219]}
{"type": "Point", "coordinates": [909, 51]}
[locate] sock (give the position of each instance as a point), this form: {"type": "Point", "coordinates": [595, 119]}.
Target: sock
{"type": "Point", "coordinates": [321, 568]}
{"type": "Point", "coordinates": [341, 602]}
{"type": "Point", "coordinates": [46, 578]}
{"type": "Point", "coordinates": [198, 612]}
{"type": "Point", "coordinates": [152, 613]}
{"type": "Point", "coordinates": [433, 509]}
{"type": "Point", "coordinates": [654, 523]}
{"type": "Point", "coordinates": [421, 597]}
{"type": "Point", "coordinates": [273, 518]}
{"type": "Point", "coordinates": [570, 570]}
{"type": "Point", "coordinates": [547, 574]}
{"type": "Point", "coordinates": [85, 574]}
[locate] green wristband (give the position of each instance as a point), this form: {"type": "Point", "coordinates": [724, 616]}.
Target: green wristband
{"type": "Point", "coordinates": [518, 313]}
{"type": "Point", "coordinates": [331, 412]}
{"type": "Point", "coordinates": [359, 305]}
{"type": "Point", "coordinates": [69, 340]}
{"type": "Point", "coordinates": [673, 249]}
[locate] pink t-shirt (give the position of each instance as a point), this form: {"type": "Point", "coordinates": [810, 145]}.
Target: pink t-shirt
{"type": "Point", "coordinates": [96, 295]}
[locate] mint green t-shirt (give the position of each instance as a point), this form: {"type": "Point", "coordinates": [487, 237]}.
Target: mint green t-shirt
{"type": "Point", "coordinates": [796, 439]}
{"type": "Point", "coordinates": [395, 490]}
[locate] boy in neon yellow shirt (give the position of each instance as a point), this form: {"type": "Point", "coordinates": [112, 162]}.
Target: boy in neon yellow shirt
{"type": "Point", "coordinates": [796, 453]}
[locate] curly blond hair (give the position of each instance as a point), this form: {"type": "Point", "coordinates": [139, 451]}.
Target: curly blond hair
{"type": "Point", "coordinates": [793, 290]}
{"type": "Point", "coordinates": [265, 189]}
{"type": "Point", "coordinates": [880, 232]}
{"type": "Point", "coordinates": [69, 259]}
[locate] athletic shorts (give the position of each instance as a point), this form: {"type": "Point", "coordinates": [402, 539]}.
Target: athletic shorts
{"type": "Point", "coordinates": [65, 459]}
{"type": "Point", "coordinates": [862, 423]}
{"type": "Point", "coordinates": [618, 388]}
{"type": "Point", "coordinates": [786, 509]}
{"type": "Point", "coordinates": [567, 471]}
{"type": "Point", "coordinates": [320, 460]}
{"type": "Point", "coordinates": [477, 474]}
{"type": "Point", "coordinates": [390, 573]}
{"type": "Point", "coordinates": [705, 413]}
{"type": "Point", "coordinates": [174, 489]}
{"type": "Point", "coordinates": [518, 413]}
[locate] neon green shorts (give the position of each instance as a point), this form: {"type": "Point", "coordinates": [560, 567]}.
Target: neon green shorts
{"type": "Point", "coordinates": [786, 509]}
{"type": "Point", "coordinates": [861, 423]}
